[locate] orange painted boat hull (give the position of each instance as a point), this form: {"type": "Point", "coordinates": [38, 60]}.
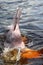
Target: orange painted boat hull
{"type": "Point", "coordinates": [29, 54]}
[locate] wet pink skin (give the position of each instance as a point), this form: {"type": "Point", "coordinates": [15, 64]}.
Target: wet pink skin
{"type": "Point", "coordinates": [14, 35]}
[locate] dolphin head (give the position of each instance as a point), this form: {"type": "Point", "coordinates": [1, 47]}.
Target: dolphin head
{"type": "Point", "coordinates": [13, 36]}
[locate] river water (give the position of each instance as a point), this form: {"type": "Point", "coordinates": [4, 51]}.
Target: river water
{"type": "Point", "coordinates": [31, 21]}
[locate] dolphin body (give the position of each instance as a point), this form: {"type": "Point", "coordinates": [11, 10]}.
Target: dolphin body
{"type": "Point", "coordinates": [13, 35]}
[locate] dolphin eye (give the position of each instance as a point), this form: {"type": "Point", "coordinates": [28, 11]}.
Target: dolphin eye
{"type": "Point", "coordinates": [7, 31]}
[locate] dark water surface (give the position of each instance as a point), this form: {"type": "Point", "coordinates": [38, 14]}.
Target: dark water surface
{"type": "Point", "coordinates": [31, 21]}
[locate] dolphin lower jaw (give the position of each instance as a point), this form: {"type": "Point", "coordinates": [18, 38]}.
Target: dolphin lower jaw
{"type": "Point", "coordinates": [18, 45]}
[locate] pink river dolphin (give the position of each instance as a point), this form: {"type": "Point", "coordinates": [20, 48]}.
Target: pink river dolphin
{"type": "Point", "coordinates": [13, 36]}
